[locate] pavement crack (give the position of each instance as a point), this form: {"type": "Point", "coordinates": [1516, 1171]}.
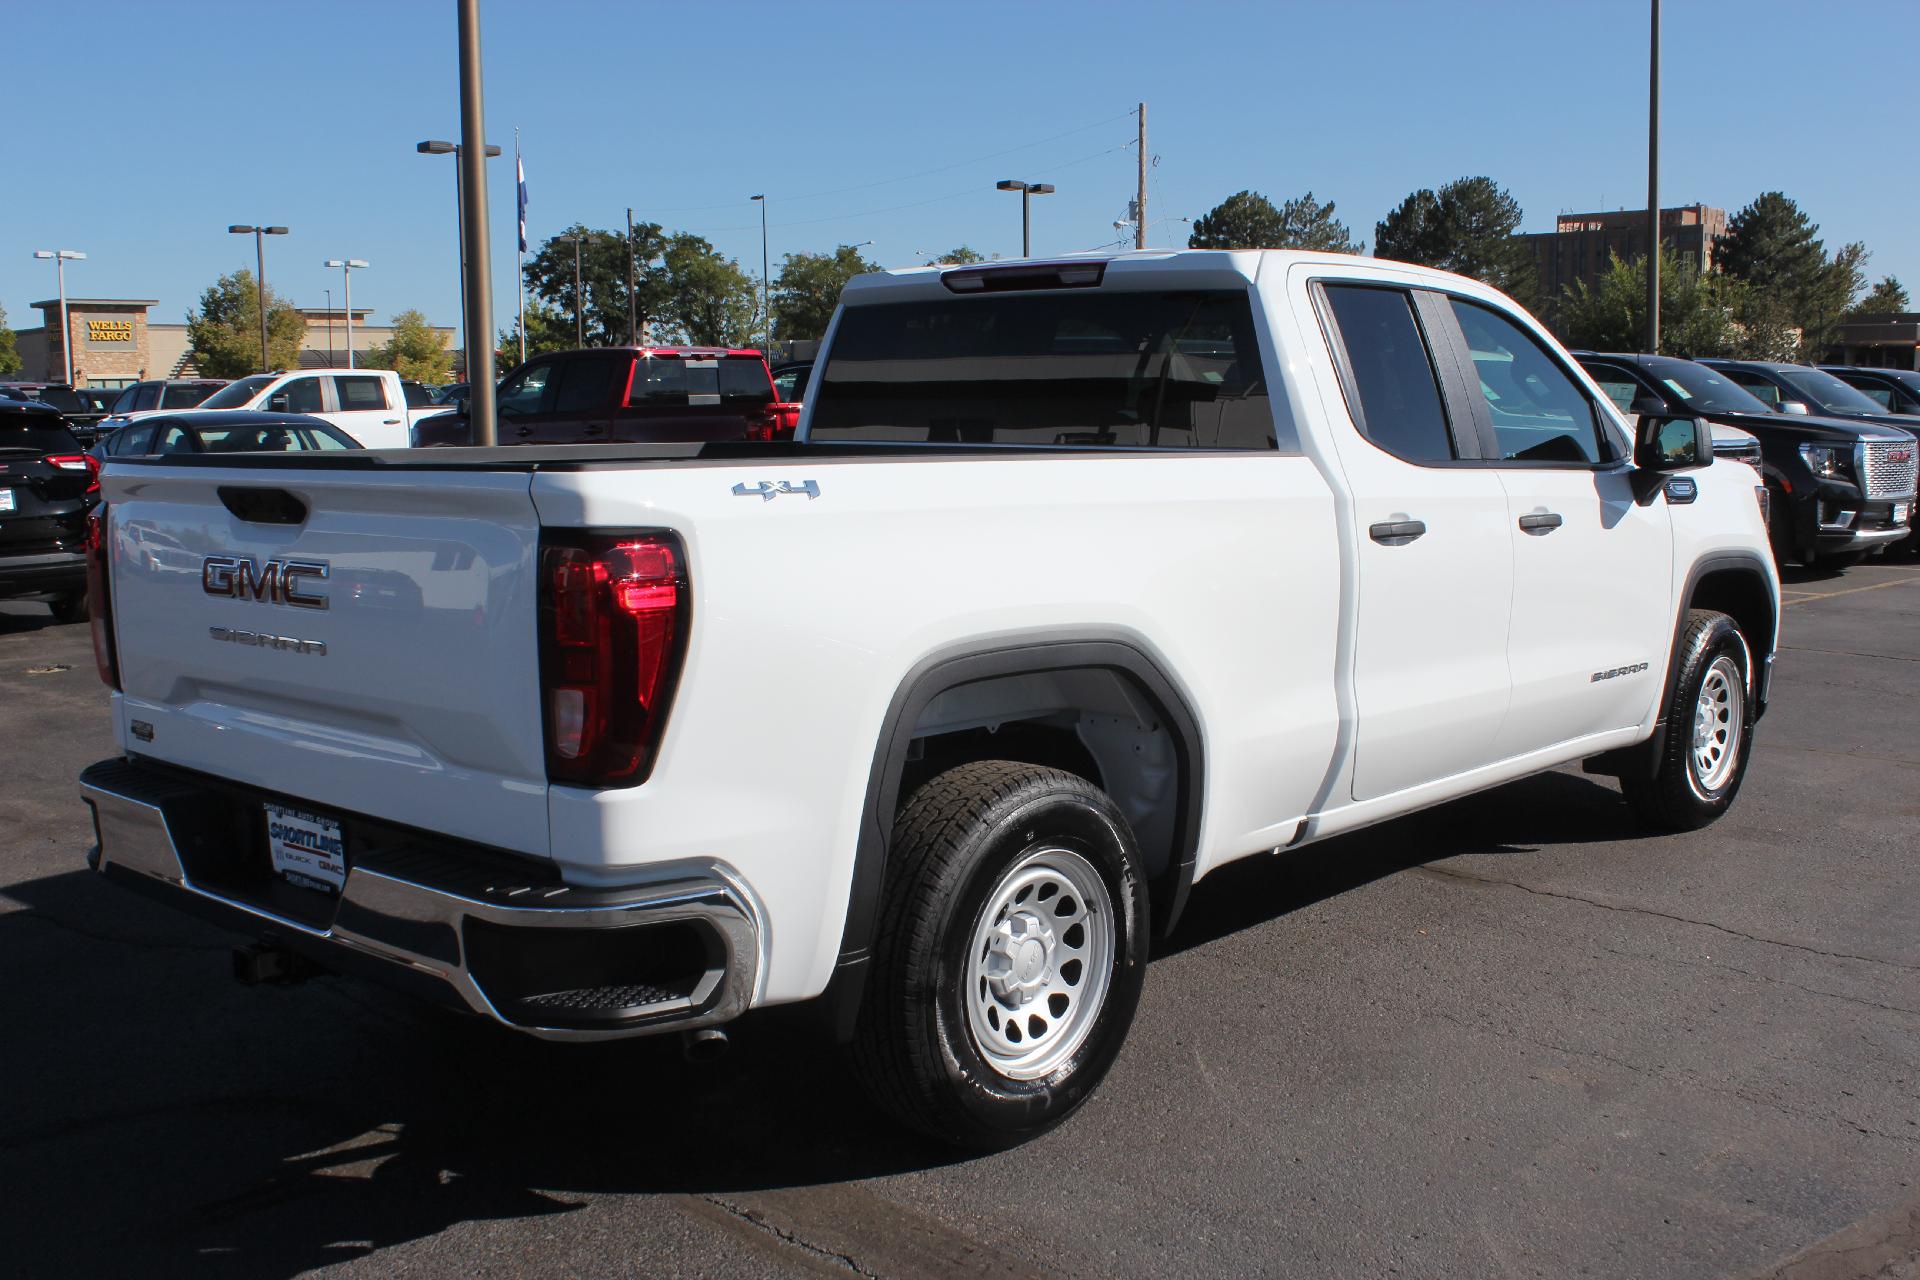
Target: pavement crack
{"type": "Point", "coordinates": [96, 935]}
{"type": "Point", "coordinates": [1666, 915]}
{"type": "Point", "coordinates": [786, 1236]}
{"type": "Point", "coordinates": [1768, 978]}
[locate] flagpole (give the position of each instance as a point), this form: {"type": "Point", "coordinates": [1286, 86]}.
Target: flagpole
{"type": "Point", "coordinates": [520, 197]}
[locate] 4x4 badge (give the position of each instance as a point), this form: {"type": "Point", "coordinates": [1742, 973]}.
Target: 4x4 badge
{"type": "Point", "coordinates": [768, 490]}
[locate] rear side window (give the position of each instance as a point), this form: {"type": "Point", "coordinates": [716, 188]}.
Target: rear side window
{"type": "Point", "coordinates": [185, 395]}
{"type": "Point", "coordinates": [146, 395]}
{"type": "Point", "coordinates": [587, 383]}
{"type": "Point", "coordinates": [1882, 396]}
{"type": "Point", "coordinates": [354, 394]}
{"type": "Point", "coordinates": [1089, 369]}
{"type": "Point", "coordinates": [418, 397]}
{"type": "Point", "coordinates": [1539, 412]}
{"type": "Point", "coordinates": [130, 440]}
{"type": "Point", "coordinates": [1391, 373]}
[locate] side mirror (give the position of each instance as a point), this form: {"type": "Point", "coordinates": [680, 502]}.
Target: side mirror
{"type": "Point", "coordinates": [277, 402]}
{"type": "Point", "coordinates": [1666, 443]}
{"type": "Point", "coordinates": [1797, 408]}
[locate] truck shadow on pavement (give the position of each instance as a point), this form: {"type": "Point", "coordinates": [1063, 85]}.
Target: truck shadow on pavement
{"type": "Point", "coordinates": [164, 1119]}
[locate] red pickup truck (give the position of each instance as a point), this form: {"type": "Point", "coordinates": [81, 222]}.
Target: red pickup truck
{"type": "Point", "coordinates": [630, 394]}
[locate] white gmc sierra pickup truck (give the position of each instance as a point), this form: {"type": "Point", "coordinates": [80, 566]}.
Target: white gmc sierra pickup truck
{"type": "Point", "coordinates": [1082, 579]}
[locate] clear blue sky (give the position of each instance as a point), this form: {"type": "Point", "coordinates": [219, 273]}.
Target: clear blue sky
{"type": "Point", "coordinates": [181, 118]}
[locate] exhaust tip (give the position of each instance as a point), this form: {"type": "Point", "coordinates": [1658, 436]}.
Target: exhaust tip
{"type": "Point", "coordinates": [709, 1044]}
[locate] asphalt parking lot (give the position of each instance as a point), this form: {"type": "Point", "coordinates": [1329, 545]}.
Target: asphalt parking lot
{"type": "Point", "coordinates": [1511, 1037]}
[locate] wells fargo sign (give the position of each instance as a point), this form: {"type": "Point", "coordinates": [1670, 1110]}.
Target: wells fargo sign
{"type": "Point", "coordinates": [110, 332]}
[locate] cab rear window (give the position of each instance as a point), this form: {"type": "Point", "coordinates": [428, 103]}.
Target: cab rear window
{"type": "Point", "coordinates": [1173, 370]}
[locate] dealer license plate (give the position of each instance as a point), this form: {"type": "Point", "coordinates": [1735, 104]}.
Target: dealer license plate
{"type": "Point", "coordinates": [1900, 511]}
{"type": "Point", "coordinates": [306, 848]}
{"type": "Point", "coordinates": [6, 500]}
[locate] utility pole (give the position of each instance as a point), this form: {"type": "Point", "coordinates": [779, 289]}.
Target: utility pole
{"type": "Point", "coordinates": [633, 331]}
{"type": "Point", "coordinates": [766, 303]}
{"type": "Point", "coordinates": [579, 311]}
{"type": "Point", "coordinates": [1027, 191]}
{"type": "Point", "coordinates": [1653, 187]}
{"type": "Point", "coordinates": [60, 259]}
{"type": "Point", "coordinates": [260, 262]}
{"type": "Point", "coordinates": [475, 233]}
{"type": "Point", "coordinates": [329, 294]}
{"type": "Point", "coordinates": [1140, 201]}
{"type": "Point", "coordinates": [346, 266]}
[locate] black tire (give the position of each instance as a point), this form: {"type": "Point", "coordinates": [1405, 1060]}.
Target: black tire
{"type": "Point", "coordinates": [71, 608]}
{"type": "Point", "coordinates": [1839, 560]}
{"type": "Point", "coordinates": [1681, 795]}
{"type": "Point", "coordinates": [954, 845]}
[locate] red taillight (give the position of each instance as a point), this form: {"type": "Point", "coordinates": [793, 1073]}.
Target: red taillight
{"type": "Point", "coordinates": [779, 423]}
{"type": "Point", "coordinates": [99, 601]}
{"type": "Point", "coordinates": [79, 462]}
{"type": "Point", "coordinates": [614, 613]}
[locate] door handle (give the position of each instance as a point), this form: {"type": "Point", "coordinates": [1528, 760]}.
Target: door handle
{"type": "Point", "coordinates": [389, 422]}
{"type": "Point", "coordinates": [1396, 533]}
{"type": "Point", "coordinates": [1541, 522]}
{"type": "Point", "coordinates": [524, 431]}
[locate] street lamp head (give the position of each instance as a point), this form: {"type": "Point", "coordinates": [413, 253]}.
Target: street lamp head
{"type": "Point", "coordinates": [239, 229]}
{"type": "Point", "coordinates": [356, 262]}
{"type": "Point", "coordinates": [280, 231]}
{"type": "Point", "coordinates": [1040, 188]}
{"type": "Point", "coordinates": [434, 148]}
{"type": "Point", "coordinates": [1008, 184]}
{"type": "Point", "coordinates": [756, 197]}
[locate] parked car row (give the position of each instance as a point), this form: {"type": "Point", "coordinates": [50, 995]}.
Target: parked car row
{"type": "Point", "coordinates": [1839, 468]}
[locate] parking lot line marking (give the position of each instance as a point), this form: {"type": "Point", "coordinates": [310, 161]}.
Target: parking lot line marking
{"type": "Point", "coordinates": [1849, 653]}
{"type": "Point", "coordinates": [1850, 591]}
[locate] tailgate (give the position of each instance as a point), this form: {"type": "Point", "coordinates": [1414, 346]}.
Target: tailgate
{"type": "Point", "coordinates": [394, 673]}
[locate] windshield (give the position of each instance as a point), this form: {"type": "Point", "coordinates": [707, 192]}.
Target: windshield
{"type": "Point", "coordinates": [1702, 388]}
{"type": "Point", "coordinates": [236, 394]}
{"type": "Point", "coordinates": [1827, 393]}
{"type": "Point", "coordinates": [63, 399]}
{"type": "Point", "coordinates": [1170, 370]}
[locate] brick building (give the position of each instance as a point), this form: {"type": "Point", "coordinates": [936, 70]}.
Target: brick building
{"type": "Point", "coordinates": [115, 344]}
{"type": "Point", "coordinates": [1581, 245]}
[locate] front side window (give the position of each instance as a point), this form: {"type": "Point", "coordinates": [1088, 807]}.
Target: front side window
{"type": "Point", "coordinates": [185, 395]}
{"type": "Point", "coordinates": [131, 440]}
{"type": "Point", "coordinates": [123, 403]}
{"type": "Point", "coordinates": [302, 396]}
{"type": "Point", "coordinates": [588, 383]}
{"type": "Point", "coordinates": [173, 439]}
{"type": "Point", "coordinates": [1391, 373]}
{"type": "Point", "coordinates": [1827, 393]}
{"type": "Point", "coordinates": [1539, 412]}
{"type": "Point", "coordinates": [1882, 396]}
{"type": "Point", "coordinates": [1763, 391]}
{"type": "Point", "coordinates": [146, 396]}
{"type": "Point", "coordinates": [527, 392]}
{"type": "Point", "coordinates": [1128, 369]}
{"type": "Point", "coordinates": [357, 394]}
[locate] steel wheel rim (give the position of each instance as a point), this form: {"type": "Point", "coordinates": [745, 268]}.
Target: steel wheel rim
{"type": "Point", "coordinates": [1039, 962]}
{"type": "Point", "coordinates": [1717, 716]}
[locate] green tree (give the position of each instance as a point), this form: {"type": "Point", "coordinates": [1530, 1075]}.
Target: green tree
{"type": "Point", "coordinates": [10, 361]}
{"type": "Point", "coordinates": [1469, 227]}
{"type": "Point", "coordinates": [1699, 311]}
{"type": "Point", "coordinates": [960, 257]}
{"type": "Point", "coordinates": [1798, 293]}
{"type": "Point", "coordinates": [1248, 220]}
{"type": "Point", "coordinates": [547, 331]}
{"type": "Point", "coordinates": [1889, 298]}
{"type": "Point", "coordinates": [417, 351]}
{"type": "Point", "coordinates": [224, 335]}
{"type": "Point", "coordinates": [603, 280]}
{"type": "Point", "coordinates": [710, 301]}
{"type": "Point", "coordinates": [809, 289]}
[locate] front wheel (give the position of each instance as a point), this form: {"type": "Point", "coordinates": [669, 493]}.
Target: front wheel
{"type": "Point", "coordinates": [1709, 729]}
{"type": "Point", "coordinates": [69, 608]}
{"type": "Point", "coordinates": [1012, 950]}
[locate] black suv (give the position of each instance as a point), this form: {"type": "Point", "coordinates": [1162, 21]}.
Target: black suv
{"type": "Point", "coordinates": [1838, 488]}
{"type": "Point", "coordinates": [1798, 389]}
{"type": "Point", "coordinates": [82, 411]}
{"type": "Point", "coordinates": [48, 486]}
{"type": "Point", "coordinates": [1894, 390]}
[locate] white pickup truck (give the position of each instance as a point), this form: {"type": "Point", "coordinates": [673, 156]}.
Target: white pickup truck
{"type": "Point", "coordinates": [368, 404]}
{"type": "Point", "coordinates": [1082, 579]}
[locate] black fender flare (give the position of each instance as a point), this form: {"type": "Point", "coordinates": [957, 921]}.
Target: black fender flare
{"type": "Point", "coordinates": [1641, 758]}
{"type": "Point", "coordinates": [985, 660]}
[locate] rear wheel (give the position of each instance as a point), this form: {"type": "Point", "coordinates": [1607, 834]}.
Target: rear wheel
{"type": "Point", "coordinates": [1709, 729]}
{"type": "Point", "coordinates": [69, 608]}
{"type": "Point", "coordinates": [1011, 954]}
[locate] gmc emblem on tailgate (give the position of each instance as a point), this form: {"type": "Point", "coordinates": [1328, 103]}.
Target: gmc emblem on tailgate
{"type": "Point", "coordinates": [274, 583]}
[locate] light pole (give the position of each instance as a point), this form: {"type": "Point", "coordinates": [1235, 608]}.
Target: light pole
{"type": "Point", "coordinates": [347, 266]}
{"type": "Point", "coordinates": [435, 147]}
{"type": "Point", "coordinates": [1027, 190]}
{"type": "Point", "coordinates": [766, 295]}
{"type": "Point", "coordinates": [579, 314]}
{"type": "Point", "coordinates": [60, 259]}
{"type": "Point", "coordinates": [329, 294]}
{"type": "Point", "coordinates": [260, 261]}
{"type": "Point", "coordinates": [1653, 186]}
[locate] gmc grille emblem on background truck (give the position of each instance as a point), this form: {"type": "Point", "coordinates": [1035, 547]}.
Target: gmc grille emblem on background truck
{"type": "Point", "coordinates": [274, 583]}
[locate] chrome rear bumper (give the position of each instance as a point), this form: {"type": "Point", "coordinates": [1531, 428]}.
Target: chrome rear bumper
{"type": "Point", "coordinates": [491, 940]}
